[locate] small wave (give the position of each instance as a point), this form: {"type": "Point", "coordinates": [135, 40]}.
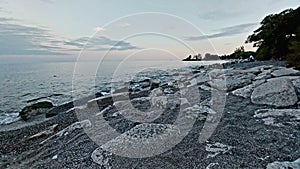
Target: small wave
{"type": "Point", "coordinates": [8, 118]}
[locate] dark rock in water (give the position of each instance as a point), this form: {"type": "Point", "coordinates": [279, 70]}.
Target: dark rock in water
{"type": "Point", "coordinates": [154, 84]}
{"type": "Point", "coordinates": [35, 109]}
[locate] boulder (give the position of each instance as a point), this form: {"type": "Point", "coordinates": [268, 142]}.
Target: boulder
{"type": "Point", "coordinates": [285, 72]}
{"type": "Point", "coordinates": [278, 92]}
{"type": "Point", "coordinates": [35, 109]}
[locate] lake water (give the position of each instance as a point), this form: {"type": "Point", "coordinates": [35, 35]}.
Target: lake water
{"type": "Point", "coordinates": [22, 84]}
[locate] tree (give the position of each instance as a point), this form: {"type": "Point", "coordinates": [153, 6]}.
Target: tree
{"type": "Point", "coordinates": [275, 33]}
{"type": "Point", "coordinates": [293, 57]}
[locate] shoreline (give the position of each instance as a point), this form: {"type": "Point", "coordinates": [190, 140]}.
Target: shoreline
{"type": "Point", "coordinates": [245, 136]}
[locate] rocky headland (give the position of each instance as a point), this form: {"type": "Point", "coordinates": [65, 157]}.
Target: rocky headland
{"type": "Point", "coordinates": [242, 115]}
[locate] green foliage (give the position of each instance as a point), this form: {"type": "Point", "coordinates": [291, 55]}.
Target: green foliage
{"type": "Point", "coordinates": [239, 53]}
{"type": "Point", "coordinates": [293, 57]}
{"type": "Point", "coordinates": [274, 35]}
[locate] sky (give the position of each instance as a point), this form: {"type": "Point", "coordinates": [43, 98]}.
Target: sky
{"type": "Point", "coordinates": [64, 28]}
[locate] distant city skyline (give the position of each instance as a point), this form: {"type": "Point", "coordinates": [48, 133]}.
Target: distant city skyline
{"type": "Point", "coordinates": [62, 28]}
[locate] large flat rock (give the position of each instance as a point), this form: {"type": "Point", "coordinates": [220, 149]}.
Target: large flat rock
{"type": "Point", "coordinates": [144, 140]}
{"type": "Point", "coordinates": [278, 92]}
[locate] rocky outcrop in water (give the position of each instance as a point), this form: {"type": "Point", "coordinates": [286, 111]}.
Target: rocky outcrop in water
{"type": "Point", "coordinates": [35, 109]}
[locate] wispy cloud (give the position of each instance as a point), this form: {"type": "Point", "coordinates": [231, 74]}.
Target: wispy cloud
{"type": "Point", "coordinates": [20, 39]}
{"type": "Point", "coordinates": [4, 19]}
{"type": "Point", "coordinates": [217, 15]}
{"type": "Point", "coordinates": [99, 43]}
{"type": "Point", "coordinates": [225, 32]}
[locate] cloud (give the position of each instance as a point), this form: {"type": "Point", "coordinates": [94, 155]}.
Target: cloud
{"type": "Point", "coordinates": [217, 15]}
{"type": "Point", "coordinates": [99, 43]}
{"type": "Point", "coordinates": [3, 19]}
{"type": "Point", "coordinates": [20, 39]}
{"type": "Point", "coordinates": [225, 32]}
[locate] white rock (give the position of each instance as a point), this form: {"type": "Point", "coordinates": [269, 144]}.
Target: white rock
{"type": "Point", "coordinates": [54, 157]}
{"type": "Point", "coordinates": [284, 165]}
{"type": "Point", "coordinates": [144, 140]}
{"type": "Point", "coordinates": [216, 149]}
{"type": "Point", "coordinates": [269, 116]}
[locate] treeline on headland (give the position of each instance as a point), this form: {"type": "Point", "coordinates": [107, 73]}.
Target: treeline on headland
{"type": "Point", "coordinates": [277, 38]}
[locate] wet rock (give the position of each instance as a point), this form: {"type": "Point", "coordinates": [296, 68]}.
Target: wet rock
{"type": "Point", "coordinates": [278, 92]}
{"type": "Point", "coordinates": [284, 165]}
{"type": "Point", "coordinates": [285, 72]}
{"type": "Point", "coordinates": [35, 109]}
{"type": "Point", "coordinates": [278, 117]}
